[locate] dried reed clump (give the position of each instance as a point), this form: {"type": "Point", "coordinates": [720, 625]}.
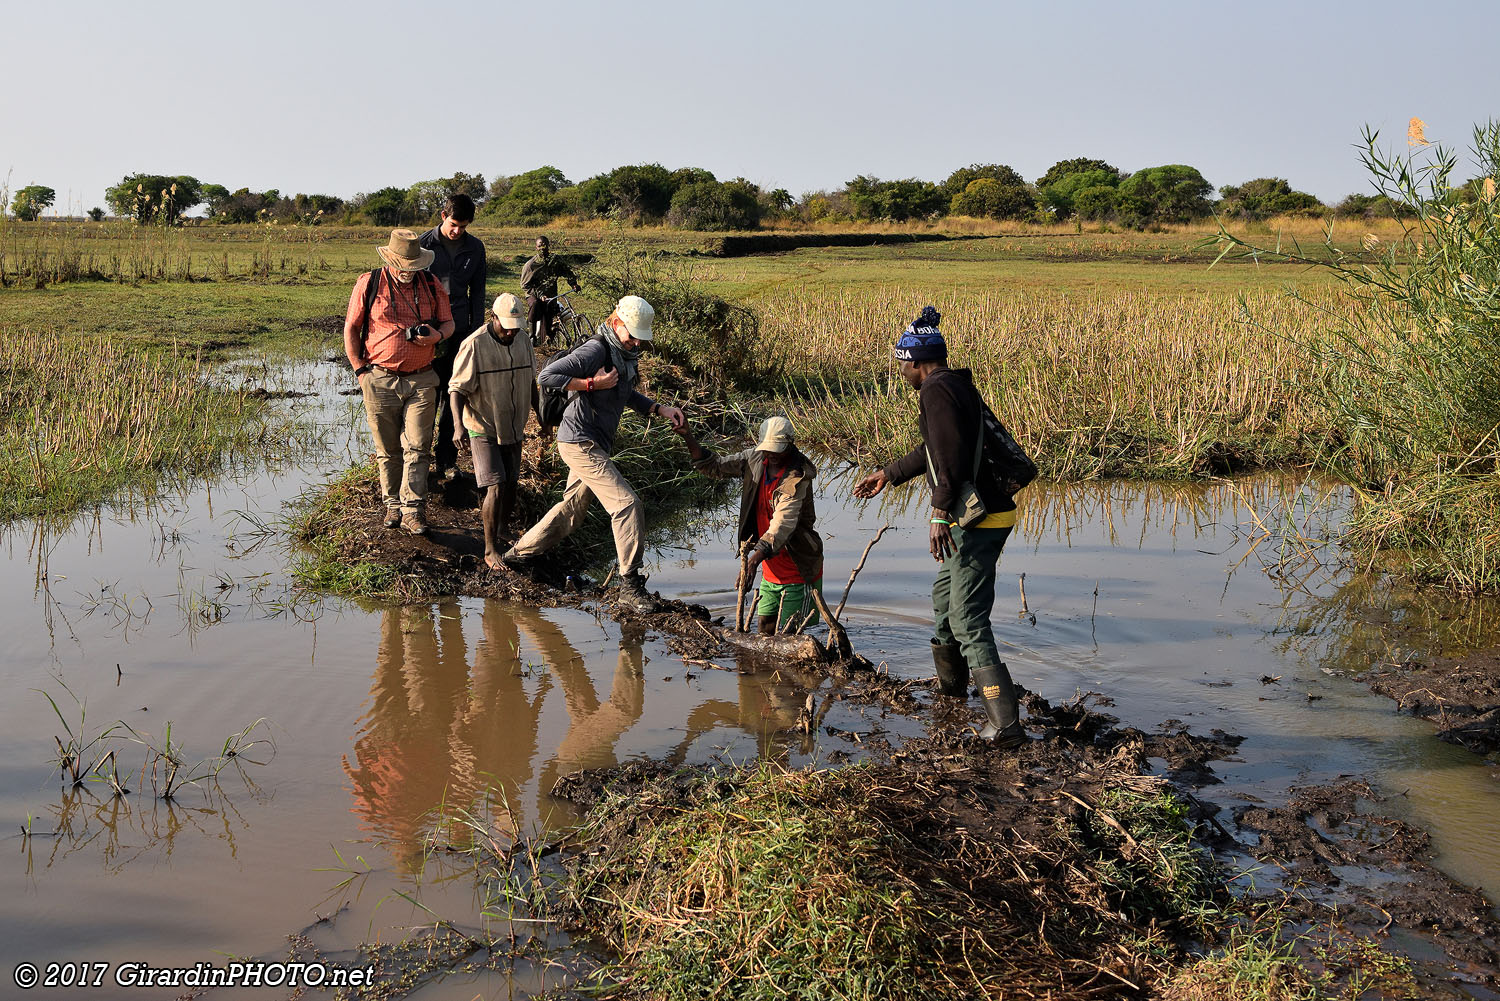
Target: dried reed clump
{"type": "Point", "coordinates": [1095, 384]}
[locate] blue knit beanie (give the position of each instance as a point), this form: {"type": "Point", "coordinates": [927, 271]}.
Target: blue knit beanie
{"type": "Point", "coordinates": [922, 341]}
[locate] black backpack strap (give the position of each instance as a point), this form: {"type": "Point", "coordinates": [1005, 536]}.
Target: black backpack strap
{"type": "Point", "coordinates": [372, 289]}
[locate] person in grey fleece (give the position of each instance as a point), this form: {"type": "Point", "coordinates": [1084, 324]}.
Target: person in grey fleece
{"type": "Point", "coordinates": [602, 374]}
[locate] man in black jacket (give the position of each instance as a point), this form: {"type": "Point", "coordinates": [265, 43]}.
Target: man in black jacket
{"type": "Point", "coordinates": [458, 265]}
{"type": "Point", "coordinates": [951, 421]}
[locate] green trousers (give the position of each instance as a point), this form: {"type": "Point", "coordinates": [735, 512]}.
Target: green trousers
{"type": "Point", "coordinates": [787, 601]}
{"type": "Point", "coordinates": [964, 594]}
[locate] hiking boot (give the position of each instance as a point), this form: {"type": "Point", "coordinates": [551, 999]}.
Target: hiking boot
{"type": "Point", "coordinates": [392, 517]}
{"type": "Point", "coordinates": [633, 594]}
{"type": "Point", "coordinates": [415, 523]}
{"type": "Point", "coordinates": [952, 669]}
{"type": "Point", "coordinates": [998, 693]}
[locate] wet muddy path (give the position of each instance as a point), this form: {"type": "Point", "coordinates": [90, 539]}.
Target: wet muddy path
{"type": "Point", "coordinates": [178, 610]}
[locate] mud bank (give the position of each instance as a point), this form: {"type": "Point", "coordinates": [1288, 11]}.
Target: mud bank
{"type": "Point", "coordinates": [1078, 865]}
{"type": "Point", "coordinates": [1460, 695]}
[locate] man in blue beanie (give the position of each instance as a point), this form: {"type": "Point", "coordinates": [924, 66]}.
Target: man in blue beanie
{"type": "Point", "coordinates": [951, 418]}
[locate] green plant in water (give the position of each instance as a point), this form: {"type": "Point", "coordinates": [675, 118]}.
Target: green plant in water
{"type": "Point", "coordinates": [1410, 374]}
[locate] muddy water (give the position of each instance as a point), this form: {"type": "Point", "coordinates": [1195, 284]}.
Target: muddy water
{"type": "Point", "coordinates": [177, 610]}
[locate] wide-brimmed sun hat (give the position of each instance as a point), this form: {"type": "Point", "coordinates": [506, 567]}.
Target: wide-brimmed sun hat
{"type": "Point", "coordinates": [508, 311]}
{"type": "Point", "coordinates": [775, 435]}
{"type": "Point", "coordinates": [636, 313]}
{"type": "Point", "coordinates": [404, 252]}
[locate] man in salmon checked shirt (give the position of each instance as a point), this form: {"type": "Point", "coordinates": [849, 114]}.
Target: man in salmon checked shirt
{"type": "Point", "coordinates": [397, 316]}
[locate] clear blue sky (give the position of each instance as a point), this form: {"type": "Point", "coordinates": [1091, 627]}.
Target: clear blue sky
{"type": "Point", "coordinates": [346, 97]}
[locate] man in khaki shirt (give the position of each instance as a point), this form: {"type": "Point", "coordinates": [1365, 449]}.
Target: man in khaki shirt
{"type": "Point", "coordinates": [491, 393]}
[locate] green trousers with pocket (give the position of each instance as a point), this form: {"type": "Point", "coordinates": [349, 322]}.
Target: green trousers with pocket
{"type": "Point", "coordinates": [963, 596]}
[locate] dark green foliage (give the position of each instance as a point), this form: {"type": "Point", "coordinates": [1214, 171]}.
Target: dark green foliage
{"type": "Point", "coordinates": [530, 199]}
{"type": "Point", "coordinates": [897, 201]}
{"type": "Point", "coordinates": [154, 197]}
{"type": "Point", "coordinates": [386, 207]}
{"type": "Point", "coordinates": [639, 193]}
{"type": "Point", "coordinates": [1077, 165]}
{"type": "Point", "coordinates": [1265, 197]}
{"type": "Point", "coordinates": [959, 181]}
{"type": "Point", "coordinates": [1378, 206]}
{"type": "Point", "coordinates": [988, 198]}
{"type": "Point", "coordinates": [712, 205]}
{"type": "Point", "coordinates": [1166, 194]}
{"type": "Point", "coordinates": [245, 206]}
{"type": "Point", "coordinates": [96, 214]}
{"type": "Point", "coordinates": [1096, 203]}
{"type": "Point", "coordinates": [1061, 195]}
{"type": "Point", "coordinates": [31, 200]}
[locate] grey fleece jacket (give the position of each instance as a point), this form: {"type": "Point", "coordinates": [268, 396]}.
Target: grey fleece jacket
{"type": "Point", "coordinates": [592, 417]}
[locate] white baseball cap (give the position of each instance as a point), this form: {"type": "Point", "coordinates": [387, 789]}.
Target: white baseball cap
{"type": "Point", "coordinates": [775, 435]}
{"type": "Point", "coordinates": [508, 311]}
{"type": "Point", "coordinates": [636, 313]}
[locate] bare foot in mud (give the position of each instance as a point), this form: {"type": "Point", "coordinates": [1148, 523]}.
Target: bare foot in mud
{"type": "Point", "coordinates": [492, 560]}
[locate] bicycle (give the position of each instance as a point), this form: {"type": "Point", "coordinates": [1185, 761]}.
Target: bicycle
{"type": "Point", "coordinates": [569, 327]}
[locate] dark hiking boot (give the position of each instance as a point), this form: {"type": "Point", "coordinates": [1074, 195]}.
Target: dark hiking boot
{"type": "Point", "coordinates": [952, 669]}
{"type": "Point", "coordinates": [1003, 712]}
{"type": "Point", "coordinates": [415, 522]}
{"type": "Point", "coordinates": [633, 594]}
{"type": "Point", "coordinates": [392, 517]}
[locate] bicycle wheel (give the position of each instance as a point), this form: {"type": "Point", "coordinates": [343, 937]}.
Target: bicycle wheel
{"type": "Point", "coordinates": [577, 330]}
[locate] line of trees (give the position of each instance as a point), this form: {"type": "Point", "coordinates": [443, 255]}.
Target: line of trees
{"type": "Point", "coordinates": [1081, 188]}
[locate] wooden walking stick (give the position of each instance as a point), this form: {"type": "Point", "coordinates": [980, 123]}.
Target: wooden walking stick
{"type": "Point", "coordinates": [739, 588]}
{"type": "Point", "coordinates": [838, 640]}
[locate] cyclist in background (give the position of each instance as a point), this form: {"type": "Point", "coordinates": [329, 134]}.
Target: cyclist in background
{"type": "Point", "coordinates": [539, 281]}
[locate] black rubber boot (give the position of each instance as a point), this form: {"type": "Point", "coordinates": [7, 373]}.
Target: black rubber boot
{"type": "Point", "coordinates": [633, 594]}
{"type": "Point", "coordinates": [998, 694]}
{"type": "Point", "coordinates": [952, 669]}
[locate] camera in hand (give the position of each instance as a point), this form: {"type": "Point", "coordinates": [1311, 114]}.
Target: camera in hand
{"type": "Point", "coordinates": [413, 332]}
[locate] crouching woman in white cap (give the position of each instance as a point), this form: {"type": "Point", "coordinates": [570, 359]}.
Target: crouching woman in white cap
{"type": "Point", "coordinates": [776, 518]}
{"type": "Point", "coordinates": [602, 375]}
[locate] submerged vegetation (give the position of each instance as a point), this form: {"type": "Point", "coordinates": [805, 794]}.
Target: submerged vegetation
{"type": "Point", "coordinates": [82, 416]}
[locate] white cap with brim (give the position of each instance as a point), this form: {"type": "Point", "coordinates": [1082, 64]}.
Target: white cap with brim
{"type": "Point", "coordinates": [636, 313]}
{"type": "Point", "coordinates": [775, 435]}
{"type": "Point", "coordinates": [508, 312]}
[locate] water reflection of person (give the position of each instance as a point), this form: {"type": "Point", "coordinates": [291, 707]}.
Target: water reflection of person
{"type": "Point", "coordinates": [595, 727]}
{"type": "Point", "coordinates": [767, 707]}
{"type": "Point", "coordinates": [430, 735]}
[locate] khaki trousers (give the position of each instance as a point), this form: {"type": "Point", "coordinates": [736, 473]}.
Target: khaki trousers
{"type": "Point", "coordinates": [590, 474]}
{"type": "Point", "coordinates": [401, 409]}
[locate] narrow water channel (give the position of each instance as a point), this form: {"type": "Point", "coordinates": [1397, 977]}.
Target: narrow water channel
{"type": "Point", "coordinates": [176, 609]}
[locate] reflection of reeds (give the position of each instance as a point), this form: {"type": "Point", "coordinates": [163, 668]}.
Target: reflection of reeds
{"type": "Point", "coordinates": [1130, 383]}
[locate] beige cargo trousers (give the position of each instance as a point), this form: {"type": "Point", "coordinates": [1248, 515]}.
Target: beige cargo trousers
{"type": "Point", "coordinates": [401, 411]}
{"type": "Point", "coordinates": [591, 473]}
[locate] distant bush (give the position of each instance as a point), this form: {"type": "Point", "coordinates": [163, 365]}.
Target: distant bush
{"type": "Point", "coordinates": [1060, 196]}
{"type": "Point", "coordinates": [154, 197]}
{"type": "Point", "coordinates": [987, 198]}
{"type": "Point", "coordinates": [898, 201]}
{"type": "Point", "coordinates": [1096, 203]}
{"type": "Point", "coordinates": [31, 200]}
{"type": "Point", "coordinates": [530, 199]}
{"type": "Point", "coordinates": [1077, 165]}
{"type": "Point", "coordinates": [386, 207]}
{"type": "Point", "coordinates": [714, 205]}
{"type": "Point", "coordinates": [959, 181]}
{"type": "Point", "coordinates": [1155, 195]}
{"type": "Point", "coordinates": [96, 214]}
{"type": "Point", "coordinates": [1265, 197]}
